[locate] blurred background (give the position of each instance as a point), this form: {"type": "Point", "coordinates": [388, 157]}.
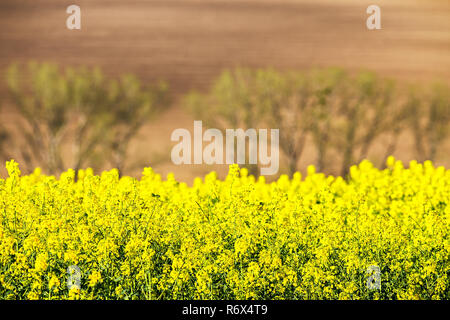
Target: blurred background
{"type": "Point", "coordinates": [110, 95]}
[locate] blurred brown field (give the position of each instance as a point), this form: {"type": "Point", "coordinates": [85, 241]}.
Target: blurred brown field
{"type": "Point", "coordinates": [189, 42]}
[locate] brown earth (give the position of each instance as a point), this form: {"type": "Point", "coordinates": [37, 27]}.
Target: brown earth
{"type": "Point", "coordinates": [189, 42]}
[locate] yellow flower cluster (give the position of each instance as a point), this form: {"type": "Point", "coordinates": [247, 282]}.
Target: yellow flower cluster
{"type": "Point", "coordinates": [310, 237]}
